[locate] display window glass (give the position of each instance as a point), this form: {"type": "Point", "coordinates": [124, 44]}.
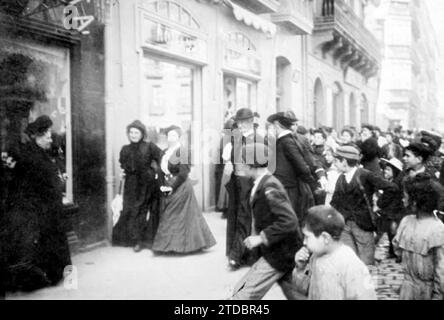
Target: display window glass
{"type": "Point", "coordinates": [35, 81]}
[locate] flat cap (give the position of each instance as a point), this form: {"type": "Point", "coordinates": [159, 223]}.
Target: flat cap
{"type": "Point", "coordinates": [347, 152]}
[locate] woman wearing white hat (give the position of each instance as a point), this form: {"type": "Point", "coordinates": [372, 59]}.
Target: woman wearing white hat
{"type": "Point", "coordinates": [392, 208]}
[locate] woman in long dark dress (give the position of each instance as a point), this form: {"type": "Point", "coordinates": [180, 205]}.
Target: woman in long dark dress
{"type": "Point", "coordinates": [36, 246]}
{"type": "Point", "coordinates": [139, 161]}
{"type": "Point", "coordinates": [182, 227]}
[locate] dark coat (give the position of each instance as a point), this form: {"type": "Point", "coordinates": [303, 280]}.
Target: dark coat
{"type": "Point", "coordinates": [391, 204]}
{"type": "Point", "coordinates": [441, 174]}
{"type": "Point", "coordinates": [316, 167]}
{"type": "Point", "coordinates": [141, 192]}
{"type": "Point", "coordinates": [239, 213]}
{"type": "Point", "coordinates": [349, 200]}
{"type": "Point", "coordinates": [295, 175]}
{"type": "Point", "coordinates": [274, 216]}
{"type": "Point", "coordinates": [36, 246]}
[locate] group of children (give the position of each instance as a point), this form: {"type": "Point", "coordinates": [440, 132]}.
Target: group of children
{"type": "Point", "coordinates": [328, 259]}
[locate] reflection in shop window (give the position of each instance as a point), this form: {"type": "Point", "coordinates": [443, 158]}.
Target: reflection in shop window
{"type": "Point", "coordinates": [35, 82]}
{"type": "Point", "coordinates": [168, 99]}
{"type": "Point", "coordinates": [238, 93]}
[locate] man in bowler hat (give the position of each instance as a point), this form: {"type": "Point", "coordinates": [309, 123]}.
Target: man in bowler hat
{"type": "Point", "coordinates": [238, 213]}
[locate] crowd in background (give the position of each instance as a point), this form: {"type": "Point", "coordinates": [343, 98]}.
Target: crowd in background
{"type": "Point", "coordinates": [379, 181]}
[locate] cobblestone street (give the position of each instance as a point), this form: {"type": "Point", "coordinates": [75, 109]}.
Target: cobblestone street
{"type": "Point", "coordinates": [387, 274]}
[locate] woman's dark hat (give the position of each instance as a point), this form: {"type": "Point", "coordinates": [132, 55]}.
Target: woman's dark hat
{"type": "Point", "coordinates": [244, 114]}
{"type": "Point", "coordinates": [39, 126]}
{"type": "Point", "coordinates": [137, 125]}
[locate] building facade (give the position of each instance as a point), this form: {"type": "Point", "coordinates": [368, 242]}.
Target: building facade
{"type": "Point", "coordinates": [343, 66]}
{"type": "Point", "coordinates": [408, 92]}
{"type": "Point", "coordinates": [191, 63]}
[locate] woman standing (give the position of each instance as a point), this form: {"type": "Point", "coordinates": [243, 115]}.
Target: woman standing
{"type": "Point", "coordinates": [182, 227]}
{"type": "Point", "coordinates": [36, 246]}
{"type": "Point", "coordinates": [139, 161]}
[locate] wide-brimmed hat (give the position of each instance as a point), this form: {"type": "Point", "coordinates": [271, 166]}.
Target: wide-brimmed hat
{"type": "Point", "coordinates": [287, 119]}
{"type": "Point", "coordinates": [394, 163]}
{"type": "Point", "coordinates": [39, 126]}
{"type": "Point", "coordinates": [173, 128]}
{"type": "Point", "coordinates": [244, 114]}
{"type": "Point", "coordinates": [347, 152]}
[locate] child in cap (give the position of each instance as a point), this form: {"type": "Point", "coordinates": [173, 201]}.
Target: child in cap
{"type": "Point", "coordinates": [353, 199]}
{"type": "Point", "coordinates": [336, 271]}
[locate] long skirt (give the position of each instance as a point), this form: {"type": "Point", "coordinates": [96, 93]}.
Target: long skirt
{"type": "Point", "coordinates": [139, 198]}
{"type": "Point", "coordinates": [36, 248]}
{"type": "Point", "coordinates": [182, 226]}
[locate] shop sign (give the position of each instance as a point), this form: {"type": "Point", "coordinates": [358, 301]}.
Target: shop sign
{"type": "Point", "coordinates": [241, 61]}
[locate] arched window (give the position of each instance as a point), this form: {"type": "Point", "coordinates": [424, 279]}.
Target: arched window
{"type": "Point", "coordinates": [318, 104]}
{"type": "Point", "coordinates": [364, 110]}
{"type": "Point", "coordinates": [338, 106]}
{"type": "Point", "coordinates": [240, 54]}
{"type": "Point", "coordinates": [174, 12]}
{"type": "Point", "coordinates": [283, 83]}
{"type": "Point", "coordinates": [353, 110]}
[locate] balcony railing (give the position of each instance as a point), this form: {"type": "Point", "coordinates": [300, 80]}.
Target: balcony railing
{"type": "Point", "coordinates": [352, 41]}
{"type": "Point", "coordinates": [296, 15]}
{"type": "Point", "coordinates": [259, 6]}
{"type": "Point", "coordinates": [341, 17]}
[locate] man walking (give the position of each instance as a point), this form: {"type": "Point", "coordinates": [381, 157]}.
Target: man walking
{"type": "Point", "coordinates": [275, 231]}
{"type": "Point", "coordinates": [238, 213]}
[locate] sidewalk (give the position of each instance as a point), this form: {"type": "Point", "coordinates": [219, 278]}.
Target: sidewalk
{"type": "Point", "coordinates": [119, 273]}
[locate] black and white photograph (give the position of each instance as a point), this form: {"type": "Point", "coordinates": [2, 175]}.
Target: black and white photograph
{"type": "Point", "coordinates": [221, 150]}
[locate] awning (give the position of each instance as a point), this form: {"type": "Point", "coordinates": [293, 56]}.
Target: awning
{"type": "Point", "coordinates": [251, 19]}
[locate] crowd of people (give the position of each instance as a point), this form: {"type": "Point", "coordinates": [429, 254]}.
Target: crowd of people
{"type": "Point", "coordinates": [307, 216]}
{"type": "Point", "coordinates": [312, 223]}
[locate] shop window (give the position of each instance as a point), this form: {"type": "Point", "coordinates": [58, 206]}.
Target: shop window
{"type": "Point", "coordinates": [35, 80]}
{"type": "Point", "coordinates": [168, 98]}
{"type": "Point", "coordinates": [238, 93]}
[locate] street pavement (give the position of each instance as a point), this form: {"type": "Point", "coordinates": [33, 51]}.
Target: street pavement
{"type": "Point", "coordinates": [119, 273]}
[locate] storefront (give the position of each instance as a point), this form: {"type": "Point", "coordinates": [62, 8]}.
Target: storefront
{"type": "Point", "coordinates": [46, 69]}
{"type": "Point", "coordinates": [242, 72]}
{"type": "Point", "coordinates": [191, 64]}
